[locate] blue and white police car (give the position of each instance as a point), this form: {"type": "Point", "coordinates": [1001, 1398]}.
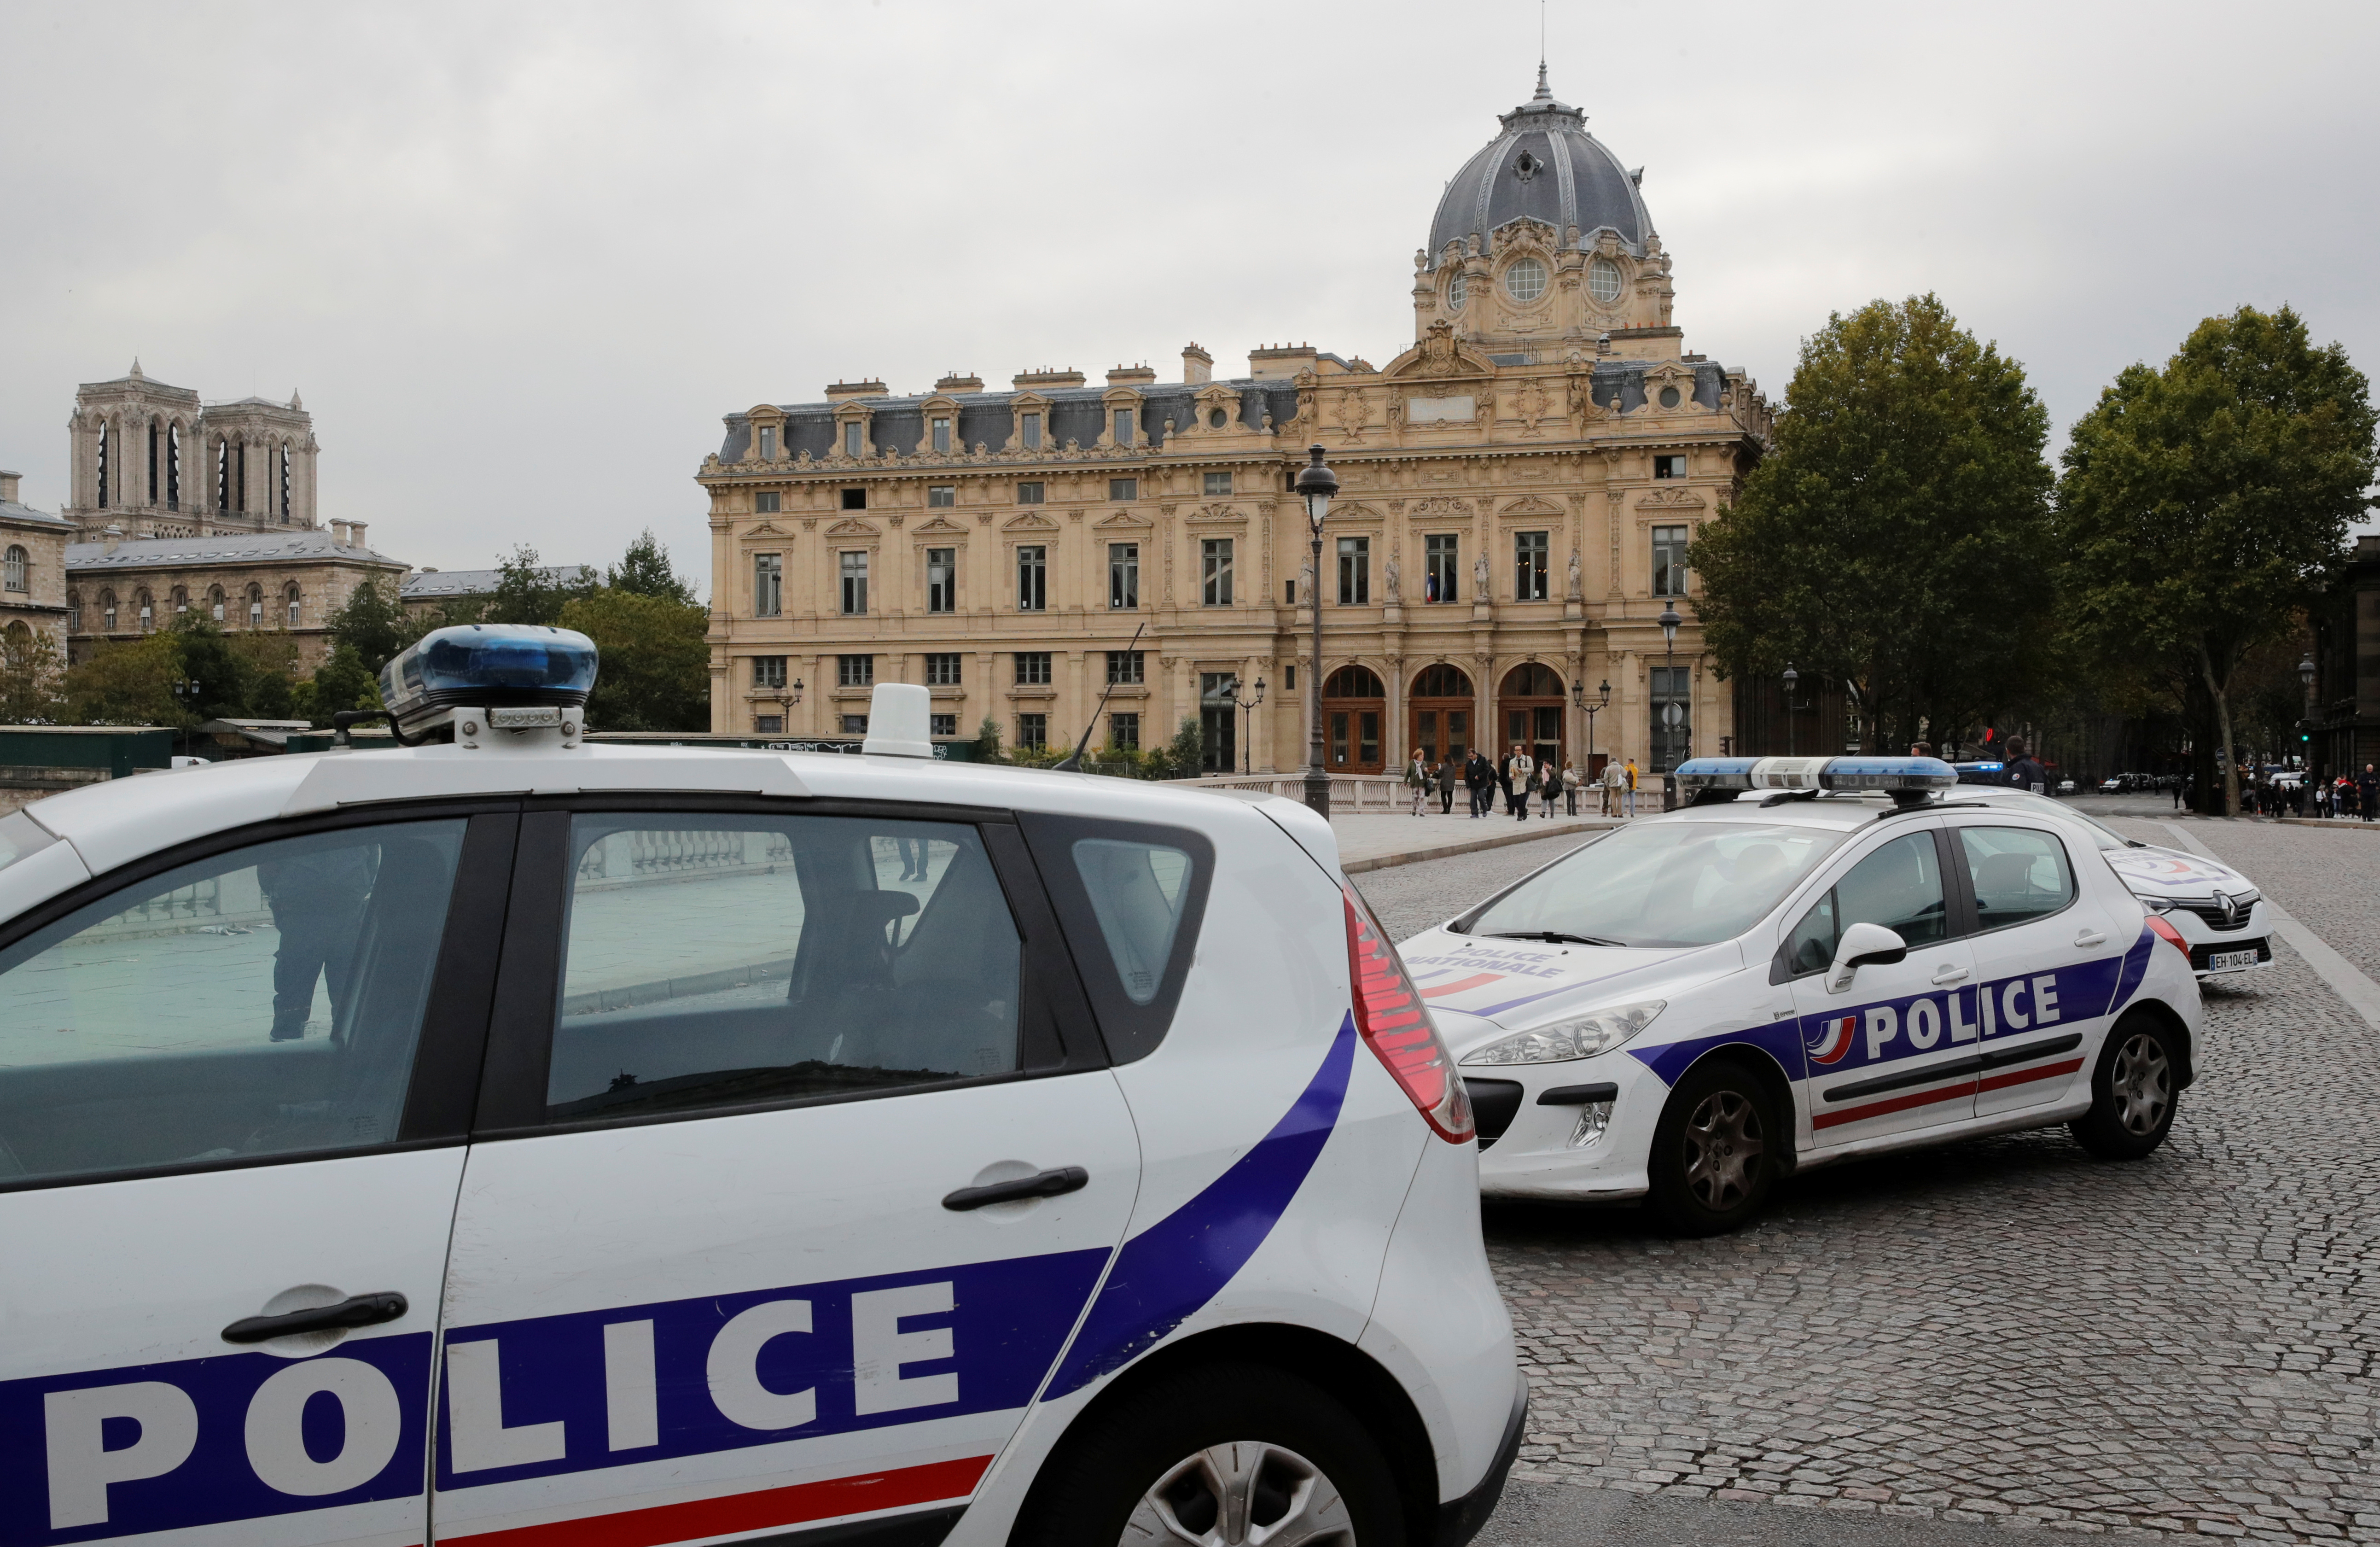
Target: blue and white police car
{"type": "Point", "coordinates": [512, 1141]}
{"type": "Point", "coordinates": [1813, 959]}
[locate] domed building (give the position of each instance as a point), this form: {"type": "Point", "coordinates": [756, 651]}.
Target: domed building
{"type": "Point", "coordinates": [1519, 487]}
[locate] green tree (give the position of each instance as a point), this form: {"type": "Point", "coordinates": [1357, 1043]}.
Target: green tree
{"type": "Point", "coordinates": [129, 682]}
{"type": "Point", "coordinates": [527, 592]}
{"type": "Point", "coordinates": [1895, 535]}
{"type": "Point", "coordinates": [987, 741]}
{"type": "Point", "coordinates": [645, 571]}
{"type": "Point", "coordinates": [2203, 502]}
{"type": "Point", "coordinates": [374, 624]}
{"type": "Point", "coordinates": [342, 682]}
{"type": "Point", "coordinates": [656, 661]}
{"type": "Point", "coordinates": [33, 678]}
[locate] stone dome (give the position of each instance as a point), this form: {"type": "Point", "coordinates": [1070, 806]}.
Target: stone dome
{"type": "Point", "coordinates": [1543, 167]}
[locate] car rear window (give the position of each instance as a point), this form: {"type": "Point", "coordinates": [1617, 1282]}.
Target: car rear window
{"type": "Point", "coordinates": [1130, 896]}
{"type": "Point", "coordinates": [1137, 891]}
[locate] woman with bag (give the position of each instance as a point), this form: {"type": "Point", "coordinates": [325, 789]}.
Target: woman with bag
{"type": "Point", "coordinates": [1417, 780]}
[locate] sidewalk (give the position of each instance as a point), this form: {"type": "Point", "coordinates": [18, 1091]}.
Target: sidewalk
{"type": "Point", "coordinates": [1373, 842]}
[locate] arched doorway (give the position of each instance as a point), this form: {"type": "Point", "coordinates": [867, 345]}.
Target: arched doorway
{"type": "Point", "coordinates": [1529, 707]}
{"type": "Point", "coordinates": [1355, 706]}
{"type": "Point", "coordinates": [1439, 713]}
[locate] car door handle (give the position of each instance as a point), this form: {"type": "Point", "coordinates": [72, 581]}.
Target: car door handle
{"type": "Point", "coordinates": [1950, 975]}
{"type": "Point", "coordinates": [356, 1310]}
{"type": "Point", "coordinates": [2090, 937]}
{"type": "Point", "coordinates": [1044, 1184]}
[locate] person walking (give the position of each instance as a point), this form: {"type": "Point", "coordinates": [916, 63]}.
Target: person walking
{"type": "Point", "coordinates": [1549, 785]}
{"type": "Point", "coordinates": [1417, 780]}
{"type": "Point", "coordinates": [1477, 777]}
{"type": "Point", "coordinates": [1608, 782]}
{"type": "Point", "coordinates": [2367, 793]}
{"type": "Point", "coordinates": [2024, 772]}
{"type": "Point", "coordinates": [2176, 795]}
{"type": "Point", "coordinates": [1446, 783]}
{"type": "Point", "coordinates": [1517, 772]}
{"type": "Point", "coordinates": [1569, 786]}
{"type": "Point", "coordinates": [1628, 796]}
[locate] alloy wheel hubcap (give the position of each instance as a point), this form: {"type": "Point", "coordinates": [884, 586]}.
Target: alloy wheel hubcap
{"type": "Point", "coordinates": [1723, 1149]}
{"type": "Point", "coordinates": [2141, 1083]}
{"type": "Point", "coordinates": [1243, 1494]}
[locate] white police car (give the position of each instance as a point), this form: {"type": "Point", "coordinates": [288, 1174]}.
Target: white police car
{"type": "Point", "coordinates": [1816, 960]}
{"type": "Point", "coordinates": [523, 1142]}
{"type": "Point", "coordinates": [2217, 914]}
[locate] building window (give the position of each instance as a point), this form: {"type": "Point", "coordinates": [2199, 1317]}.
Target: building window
{"type": "Point", "coordinates": [852, 431]}
{"type": "Point", "coordinates": [1032, 579]}
{"type": "Point", "coordinates": [1524, 280]}
{"type": "Point", "coordinates": [942, 580]}
{"type": "Point", "coordinates": [1354, 571]}
{"type": "Point", "coordinates": [15, 568]}
{"type": "Point", "coordinates": [1458, 290]}
{"type": "Point", "coordinates": [1668, 560]}
{"type": "Point", "coordinates": [1670, 467]}
{"type": "Point", "coordinates": [768, 442]}
{"type": "Point", "coordinates": [74, 612]}
{"type": "Point", "coordinates": [1028, 429]}
{"type": "Point", "coordinates": [767, 671]}
{"type": "Point", "coordinates": [107, 611]}
{"type": "Point", "coordinates": [292, 606]}
{"type": "Point", "coordinates": [1125, 667]}
{"type": "Point", "coordinates": [941, 441]}
{"type": "Point", "coordinates": [854, 499]}
{"type": "Point", "coordinates": [1124, 575]}
{"type": "Point", "coordinates": [181, 601]}
{"type": "Point", "coordinates": [214, 607]}
{"type": "Point", "coordinates": [768, 585]}
{"type": "Point", "coordinates": [1215, 571]}
{"type": "Point", "coordinates": [144, 611]}
{"type": "Point", "coordinates": [855, 724]}
{"type": "Point", "coordinates": [1219, 483]}
{"type": "Point", "coordinates": [767, 502]}
{"type": "Point", "coordinates": [256, 606]}
{"type": "Point", "coordinates": [1123, 488]}
{"type": "Point", "coordinates": [855, 583]}
{"type": "Point", "coordinates": [854, 671]}
{"type": "Point", "coordinates": [1670, 399]}
{"type": "Point", "coordinates": [1672, 716]}
{"type": "Point", "coordinates": [1603, 280]}
{"type": "Point", "coordinates": [1033, 668]}
{"type": "Point", "coordinates": [1028, 494]}
{"type": "Point", "coordinates": [1123, 733]}
{"type": "Point", "coordinates": [1442, 566]}
{"type": "Point", "coordinates": [943, 669]}
{"type": "Point", "coordinates": [1529, 554]}
{"type": "Point", "coordinates": [1217, 420]}
{"type": "Point", "coordinates": [1123, 418]}
{"type": "Point", "coordinates": [941, 724]}
{"type": "Point", "coordinates": [941, 496]}
{"type": "Point", "coordinates": [769, 724]}
{"type": "Point", "coordinates": [1289, 593]}
{"type": "Point", "coordinates": [1289, 677]}
{"type": "Point", "coordinates": [1033, 731]}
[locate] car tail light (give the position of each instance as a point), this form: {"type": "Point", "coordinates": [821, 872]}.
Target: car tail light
{"type": "Point", "coordinates": [2169, 934]}
{"type": "Point", "coordinates": [1396, 1027]}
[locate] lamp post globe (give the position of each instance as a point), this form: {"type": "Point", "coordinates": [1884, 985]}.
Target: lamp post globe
{"type": "Point", "coordinates": [1316, 485]}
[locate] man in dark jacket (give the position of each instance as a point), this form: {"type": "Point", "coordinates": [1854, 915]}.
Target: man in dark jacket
{"type": "Point", "coordinates": [1478, 778]}
{"type": "Point", "coordinates": [2024, 771]}
{"type": "Point", "coordinates": [2367, 792]}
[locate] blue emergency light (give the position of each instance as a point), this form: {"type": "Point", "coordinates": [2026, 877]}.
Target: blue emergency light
{"type": "Point", "coordinates": [1702, 780]}
{"type": "Point", "coordinates": [489, 665]}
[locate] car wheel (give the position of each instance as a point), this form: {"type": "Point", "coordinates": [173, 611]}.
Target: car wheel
{"type": "Point", "coordinates": [1714, 1151]}
{"type": "Point", "coordinates": [2133, 1091]}
{"type": "Point", "coordinates": [1222, 1454]}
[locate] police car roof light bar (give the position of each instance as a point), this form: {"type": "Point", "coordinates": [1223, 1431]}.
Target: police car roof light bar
{"type": "Point", "coordinates": [488, 665]}
{"type": "Point", "coordinates": [1908, 781]}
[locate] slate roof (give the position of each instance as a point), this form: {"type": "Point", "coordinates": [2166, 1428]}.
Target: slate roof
{"type": "Point", "coordinates": [262, 547]}
{"type": "Point", "coordinates": [432, 585]}
{"type": "Point", "coordinates": [1076, 414]}
{"type": "Point", "coordinates": [1546, 167]}
{"type": "Point", "coordinates": [11, 511]}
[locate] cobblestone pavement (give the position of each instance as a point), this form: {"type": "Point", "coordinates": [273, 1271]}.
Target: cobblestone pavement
{"type": "Point", "coordinates": [2005, 1331]}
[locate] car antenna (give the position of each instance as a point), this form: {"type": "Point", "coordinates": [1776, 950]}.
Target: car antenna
{"type": "Point", "coordinates": [1072, 761]}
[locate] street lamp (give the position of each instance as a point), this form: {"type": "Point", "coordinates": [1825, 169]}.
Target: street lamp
{"type": "Point", "coordinates": [1791, 677]}
{"type": "Point", "coordinates": [1578, 699]}
{"type": "Point", "coordinates": [1672, 717]}
{"type": "Point", "coordinates": [2306, 675]}
{"type": "Point", "coordinates": [1316, 485]}
{"type": "Point", "coordinates": [1247, 735]}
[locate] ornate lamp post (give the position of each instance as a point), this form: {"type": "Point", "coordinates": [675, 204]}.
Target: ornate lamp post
{"type": "Point", "coordinates": [1316, 485]}
{"type": "Point", "coordinates": [1672, 717]}
{"type": "Point", "coordinates": [1247, 734]}
{"type": "Point", "coordinates": [1791, 677]}
{"type": "Point", "coordinates": [1578, 699]}
{"type": "Point", "coordinates": [2306, 674]}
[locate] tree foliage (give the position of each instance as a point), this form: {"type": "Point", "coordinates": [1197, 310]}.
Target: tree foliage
{"type": "Point", "coordinates": [373, 624]}
{"type": "Point", "coordinates": [129, 682]}
{"type": "Point", "coordinates": [2203, 502]}
{"type": "Point", "coordinates": [33, 678]}
{"type": "Point", "coordinates": [528, 592]}
{"type": "Point", "coordinates": [1896, 537]}
{"type": "Point", "coordinates": [644, 570]}
{"type": "Point", "coordinates": [655, 673]}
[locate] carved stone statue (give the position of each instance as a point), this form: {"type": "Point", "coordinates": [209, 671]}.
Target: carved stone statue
{"type": "Point", "coordinates": [1479, 575]}
{"type": "Point", "coordinates": [1573, 593]}
{"type": "Point", "coordinates": [1388, 576]}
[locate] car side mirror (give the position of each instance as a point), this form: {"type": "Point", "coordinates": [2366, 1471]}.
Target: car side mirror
{"type": "Point", "coordinates": [1863, 946]}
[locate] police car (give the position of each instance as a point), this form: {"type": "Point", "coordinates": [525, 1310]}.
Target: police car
{"type": "Point", "coordinates": [514, 1141]}
{"type": "Point", "coordinates": [1814, 959]}
{"type": "Point", "coordinates": [2219, 913]}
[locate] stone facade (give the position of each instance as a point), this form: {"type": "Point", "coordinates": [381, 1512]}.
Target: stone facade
{"type": "Point", "coordinates": [1518, 488]}
{"type": "Point", "coordinates": [286, 582]}
{"type": "Point", "coordinates": [32, 567]}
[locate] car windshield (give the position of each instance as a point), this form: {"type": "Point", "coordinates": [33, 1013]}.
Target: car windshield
{"type": "Point", "coordinates": [1666, 883]}
{"type": "Point", "coordinates": [2107, 837]}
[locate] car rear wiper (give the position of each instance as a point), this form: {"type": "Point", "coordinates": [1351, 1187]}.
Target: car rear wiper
{"type": "Point", "coordinates": [1555, 937]}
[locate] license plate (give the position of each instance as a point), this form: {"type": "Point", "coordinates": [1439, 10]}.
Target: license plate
{"type": "Point", "coordinates": [2229, 961]}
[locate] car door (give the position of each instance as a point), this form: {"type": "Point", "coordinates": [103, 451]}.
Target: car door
{"type": "Point", "coordinates": [721, 1262]}
{"type": "Point", "coordinates": [2047, 954]}
{"type": "Point", "coordinates": [234, 1092]}
{"type": "Point", "coordinates": [1895, 1049]}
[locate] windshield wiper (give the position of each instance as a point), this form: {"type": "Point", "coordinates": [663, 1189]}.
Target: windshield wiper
{"type": "Point", "coordinates": [1555, 937]}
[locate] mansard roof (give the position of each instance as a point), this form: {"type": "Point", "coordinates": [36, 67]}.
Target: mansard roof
{"type": "Point", "coordinates": [262, 548]}
{"type": "Point", "coordinates": [432, 585]}
{"type": "Point", "coordinates": [1078, 414]}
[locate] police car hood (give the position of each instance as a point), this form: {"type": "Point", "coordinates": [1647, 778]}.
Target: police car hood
{"type": "Point", "coordinates": [1475, 985]}
{"type": "Point", "coordinates": [2170, 873]}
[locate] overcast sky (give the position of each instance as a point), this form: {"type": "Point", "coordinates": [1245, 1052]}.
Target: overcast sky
{"type": "Point", "coordinates": [519, 259]}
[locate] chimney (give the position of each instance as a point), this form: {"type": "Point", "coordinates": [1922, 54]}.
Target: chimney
{"type": "Point", "coordinates": [1132, 375]}
{"type": "Point", "coordinates": [112, 536]}
{"type": "Point", "coordinates": [356, 535]}
{"type": "Point", "coordinates": [954, 382]}
{"type": "Point", "coordinates": [1197, 365]}
{"type": "Point", "coordinates": [339, 533]}
{"type": "Point", "coordinates": [1280, 361]}
{"type": "Point", "coordinates": [9, 481]}
{"type": "Point", "coordinates": [1046, 379]}
{"type": "Point", "coordinates": [844, 391]}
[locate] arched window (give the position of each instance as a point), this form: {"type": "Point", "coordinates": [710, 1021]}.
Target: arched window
{"type": "Point", "coordinates": [215, 602]}
{"type": "Point", "coordinates": [15, 570]}
{"type": "Point", "coordinates": [181, 600]}
{"type": "Point", "coordinates": [1354, 682]}
{"type": "Point", "coordinates": [256, 606]}
{"type": "Point", "coordinates": [290, 597]}
{"type": "Point", "coordinates": [1442, 681]}
{"type": "Point", "coordinates": [173, 466]}
{"type": "Point", "coordinates": [144, 610]}
{"type": "Point", "coordinates": [154, 435]}
{"type": "Point", "coordinates": [20, 642]}
{"type": "Point", "coordinates": [74, 612]}
{"type": "Point", "coordinates": [222, 473]}
{"type": "Point", "coordinates": [285, 485]}
{"type": "Point", "coordinates": [1532, 679]}
{"type": "Point", "coordinates": [103, 465]}
{"type": "Point", "coordinates": [107, 612]}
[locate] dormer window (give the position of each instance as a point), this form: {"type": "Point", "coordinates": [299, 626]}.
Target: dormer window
{"type": "Point", "coordinates": [1123, 426]}
{"type": "Point", "coordinates": [768, 442]}
{"type": "Point", "coordinates": [941, 437]}
{"type": "Point", "coordinates": [1029, 431]}
{"type": "Point", "coordinates": [852, 432]}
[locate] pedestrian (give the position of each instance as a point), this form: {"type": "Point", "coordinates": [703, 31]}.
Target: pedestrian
{"type": "Point", "coordinates": [1516, 771]}
{"type": "Point", "coordinates": [2176, 795]}
{"type": "Point", "coordinates": [2367, 793]}
{"type": "Point", "coordinates": [1607, 781]}
{"type": "Point", "coordinates": [1445, 781]}
{"type": "Point", "coordinates": [1628, 795]}
{"type": "Point", "coordinates": [1478, 778]}
{"type": "Point", "coordinates": [2024, 772]}
{"type": "Point", "coordinates": [1569, 786]}
{"type": "Point", "coordinates": [1549, 785]}
{"type": "Point", "coordinates": [1417, 780]}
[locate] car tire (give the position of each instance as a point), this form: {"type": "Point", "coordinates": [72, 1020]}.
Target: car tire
{"type": "Point", "coordinates": [2135, 1090]}
{"type": "Point", "coordinates": [1211, 1455]}
{"type": "Point", "coordinates": [1716, 1151]}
